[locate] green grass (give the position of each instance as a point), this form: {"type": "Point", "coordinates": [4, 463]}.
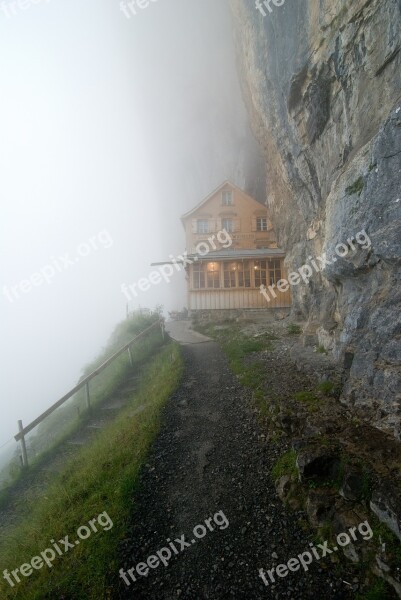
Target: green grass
{"type": "Point", "coordinates": [102, 477]}
{"type": "Point", "coordinates": [294, 329]}
{"type": "Point", "coordinates": [326, 387]}
{"type": "Point", "coordinates": [380, 590]}
{"type": "Point", "coordinates": [308, 399]}
{"type": "Point", "coordinates": [286, 465]}
{"type": "Point", "coordinates": [356, 187]}
{"type": "Point", "coordinates": [382, 534]}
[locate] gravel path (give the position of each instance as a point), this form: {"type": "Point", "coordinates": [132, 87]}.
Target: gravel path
{"type": "Point", "coordinates": [212, 456]}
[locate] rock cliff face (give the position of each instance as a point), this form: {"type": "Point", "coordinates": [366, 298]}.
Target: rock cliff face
{"type": "Point", "coordinates": [322, 82]}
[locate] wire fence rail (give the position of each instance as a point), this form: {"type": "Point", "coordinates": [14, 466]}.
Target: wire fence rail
{"type": "Point", "coordinates": [23, 431]}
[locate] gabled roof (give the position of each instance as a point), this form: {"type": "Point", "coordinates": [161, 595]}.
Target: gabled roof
{"type": "Point", "coordinates": [221, 186]}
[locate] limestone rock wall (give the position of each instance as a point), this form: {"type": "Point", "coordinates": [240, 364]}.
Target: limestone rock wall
{"type": "Point", "coordinates": [322, 83]}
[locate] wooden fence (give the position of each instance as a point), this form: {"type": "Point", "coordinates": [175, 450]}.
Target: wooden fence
{"type": "Point", "coordinates": [23, 431]}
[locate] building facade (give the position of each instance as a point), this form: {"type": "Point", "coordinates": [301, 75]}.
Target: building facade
{"type": "Point", "coordinates": [233, 252]}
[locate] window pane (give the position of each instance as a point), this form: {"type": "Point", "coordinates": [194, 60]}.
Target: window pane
{"type": "Point", "coordinates": [227, 198]}
{"type": "Point", "coordinates": [274, 270]}
{"type": "Point", "coordinates": [261, 224]}
{"type": "Point", "coordinates": [260, 273]}
{"type": "Point", "coordinates": [230, 270]}
{"type": "Point", "coordinates": [244, 273]}
{"type": "Point", "coordinates": [227, 224]}
{"type": "Point", "coordinates": [213, 275]}
{"type": "Point", "coordinates": [203, 226]}
{"type": "Point", "coordinates": [198, 276]}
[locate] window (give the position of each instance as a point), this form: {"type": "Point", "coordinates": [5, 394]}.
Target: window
{"type": "Point", "coordinates": [267, 272]}
{"type": "Point", "coordinates": [237, 274]}
{"type": "Point", "coordinates": [213, 275]}
{"type": "Point", "coordinates": [227, 224]}
{"type": "Point", "coordinates": [261, 223]}
{"type": "Point", "coordinates": [198, 276]}
{"type": "Point", "coordinates": [260, 268]}
{"type": "Point", "coordinates": [202, 226]}
{"type": "Point", "coordinates": [227, 197]}
{"type": "Point", "coordinates": [244, 274]}
{"type": "Point", "coordinates": [230, 274]}
{"type": "Point", "coordinates": [274, 270]}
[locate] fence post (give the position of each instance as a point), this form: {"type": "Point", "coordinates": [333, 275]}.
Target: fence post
{"type": "Point", "coordinates": [88, 398]}
{"type": "Point", "coordinates": [23, 445]}
{"type": "Point", "coordinates": [130, 356]}
{"type": "Point", "coordinates": [162, 328]}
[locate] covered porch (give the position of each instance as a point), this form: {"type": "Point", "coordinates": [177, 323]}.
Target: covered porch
{"type": "Point", "coordinates": [231, 279]}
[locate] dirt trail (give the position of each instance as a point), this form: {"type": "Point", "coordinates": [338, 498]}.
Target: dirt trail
{"type": "Point", "coordinates": [212, 456]}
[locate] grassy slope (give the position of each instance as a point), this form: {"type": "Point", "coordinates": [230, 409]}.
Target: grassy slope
{"type": "Point", "coordinates": [101, 478]}
{"type": "Point", "coordinates": [70, 418]}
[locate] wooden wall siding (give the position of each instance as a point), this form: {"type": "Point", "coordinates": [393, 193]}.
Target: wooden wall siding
{"type": "Point", "coordinates": [235, 298]}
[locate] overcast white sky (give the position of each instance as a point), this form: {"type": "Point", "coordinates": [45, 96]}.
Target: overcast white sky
{"type": "Point", "coordinates": [111, 125]}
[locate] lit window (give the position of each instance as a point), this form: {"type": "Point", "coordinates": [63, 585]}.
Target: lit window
{"type": "Point", "coordinates": [213, 275]}
{"type": "Point", "coordinates": [202, 226]}
{"type": "Point", "coordinates": [261, 224]}
{"type": "Point", "coordinates": [227, 198]}
{"type": "Point", "coordinates": [230, 274]}
{"type": "Point", "coordinates": [237, 274]}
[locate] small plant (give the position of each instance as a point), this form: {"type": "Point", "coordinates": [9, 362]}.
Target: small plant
{"type": "Point", "coordinates": [326, 387]}
{"type": "Point", "coordinates": [366, 491]}
{"type": "Point", "coordinates": [379, 591]}
{"type": "Point", "coordinates": [326, 531]}
{"type": "Point", "coordinates": [294, 329]}
{"type": "Point", "coordinates": [321, 350]}
{"type": "Point", "coordinates": [356, 187]}
{"type": "Point", "coordinates": [384, 535]}
{"type": "Point", "coordinates": [308, 399]}
{"type": "Point", "coordinates": [305, 397]}
{"type": "Point", "coordinates": [286, 465]}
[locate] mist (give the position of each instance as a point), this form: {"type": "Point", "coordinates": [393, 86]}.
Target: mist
{"type": "Point", "coordinates": [112, 127]}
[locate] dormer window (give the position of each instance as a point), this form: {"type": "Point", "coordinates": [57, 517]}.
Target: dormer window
{"type": "Point", "coordinates": [227, 198]}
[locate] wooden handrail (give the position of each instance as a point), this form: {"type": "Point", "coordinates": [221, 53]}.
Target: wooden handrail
{"type": "Point", "coordinates": [20, 435]}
